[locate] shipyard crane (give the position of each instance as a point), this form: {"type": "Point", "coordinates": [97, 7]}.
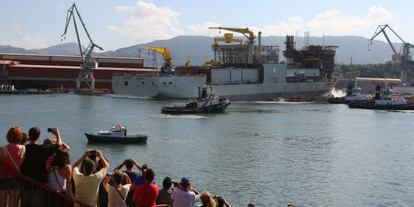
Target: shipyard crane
{"type": "Point", "coordinates": [88, 64]}
{"type": "Point", "coordinates": [247, 33]}
{"type": "Point", "coordinates": [403, 59]}
{"type": "Point", "coordinates": [166, 54]}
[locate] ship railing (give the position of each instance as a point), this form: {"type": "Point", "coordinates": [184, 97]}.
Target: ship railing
{"type": "Point", "coordinates": [48, 196]}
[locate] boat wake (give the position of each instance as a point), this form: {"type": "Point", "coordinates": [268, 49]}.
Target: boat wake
{"type": "Point", "coordinates": [127, 97]}
{"type": "Point", "coordinates": [272, 102]}
{"type": "Point", "coordinates": [169, 116]}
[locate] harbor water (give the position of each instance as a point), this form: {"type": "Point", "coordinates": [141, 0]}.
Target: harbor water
{"type": "Point", "coordinates": [268, 153]}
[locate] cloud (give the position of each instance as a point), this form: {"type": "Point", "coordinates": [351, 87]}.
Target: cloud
{"type": "Point", "coordinates": [202, 29]}
{"type": "Point", "coordinates": [332, 22]}
{"type": "Point", "coordinates": [147, 21]}
{"type": "Point", "coordinates": [16, 37]}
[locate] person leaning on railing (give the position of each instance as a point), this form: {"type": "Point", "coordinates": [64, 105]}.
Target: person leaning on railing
{"type": "Point", "coordinates": [60, 173]}
{"type": "Point", "coordinates": [87, 183]}
{"type": "Point", "coordinates": [34, 164]}
{"type": "Point", "coordinates": [11, 156]}
{"type": "Point", "coordinates": [118, 192]}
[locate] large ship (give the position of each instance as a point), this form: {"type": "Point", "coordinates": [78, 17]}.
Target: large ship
{"type": "Point", "coordinates": [242, 72]}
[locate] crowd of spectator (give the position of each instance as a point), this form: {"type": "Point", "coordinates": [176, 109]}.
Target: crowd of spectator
{"type": "Point", "coordinates": [87, 180]}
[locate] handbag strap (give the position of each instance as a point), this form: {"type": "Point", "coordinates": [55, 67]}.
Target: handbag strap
{"type": "Point", "coordinates": [11, 158]}
{"type": "Point", "coordinates": [57, 180]}
{"type": "Point", "coordinates": [120, 194]}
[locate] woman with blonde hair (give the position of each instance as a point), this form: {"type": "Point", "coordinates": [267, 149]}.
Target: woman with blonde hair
{"type": "Point", "coordinates": [207, 200]}
{"type": "Point", "coordinates": [11, 157]}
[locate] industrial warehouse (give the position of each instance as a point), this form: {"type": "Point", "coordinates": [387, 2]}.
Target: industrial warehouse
{"type": "Point", "coordinates": [57, 72]}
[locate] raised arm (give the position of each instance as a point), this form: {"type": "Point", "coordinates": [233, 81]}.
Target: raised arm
{"type": "Point", "coordinates": [127, 179]}
{"type": "Point", "coordinates": [68, 176]}
{"type": "Point", "coordinates": [105, 183]}
{"type": "Point", "coordinates": [138, 165]}
{"type": "Point", "coordinates": [81, 159]}
{"type": "Point", "coordinates": [105, 163]}
{"type": "Point", "coordinates": [119, 166]}
{"type": "Point", "coordinates": [56, 132]}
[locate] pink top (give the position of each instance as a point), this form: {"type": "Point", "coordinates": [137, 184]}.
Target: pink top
{"type": "Point", "coordinates": [16, 152]}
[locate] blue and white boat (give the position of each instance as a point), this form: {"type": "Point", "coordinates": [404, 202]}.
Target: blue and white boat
{"type": "Point", "coordinates": [117, 134]}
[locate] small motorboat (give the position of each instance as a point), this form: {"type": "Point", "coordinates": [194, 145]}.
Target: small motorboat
{"type": "Point", "coordinates": [117, 134]}
{"type": "Point", "coordinates": [205, 103]}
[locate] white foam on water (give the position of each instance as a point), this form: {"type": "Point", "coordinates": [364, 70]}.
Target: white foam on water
{"type": "Point", "coordinates": [337, 93]}
{"type": "Point", "coordinates": [127, 96]}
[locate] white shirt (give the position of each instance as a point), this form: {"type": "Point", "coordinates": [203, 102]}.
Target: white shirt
{"type": "Point", "coordinates": [183, 198]}
{"type": "Point", "coordinates": [114, 199]}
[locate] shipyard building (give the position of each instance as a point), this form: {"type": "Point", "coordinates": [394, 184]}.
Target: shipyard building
{"type": "Point", "coordinates": [50, 72]}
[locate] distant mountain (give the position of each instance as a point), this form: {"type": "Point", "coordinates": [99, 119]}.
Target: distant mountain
{"type": "Point", "coordinates": [197, 49]}
{"type": "Point", "coordinates": [61, 49]}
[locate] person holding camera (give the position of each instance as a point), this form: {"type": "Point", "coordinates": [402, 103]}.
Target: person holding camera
{"type": "Point", "coordinates": [34, 164]}
{"type": "Point", "coordinates": [87, 183]}
{"type": "Point", "coordinates": [117, 194]}
{"type": "Point", "coordinates": [184, 195]}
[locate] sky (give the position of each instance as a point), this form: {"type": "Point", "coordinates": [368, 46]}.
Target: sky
{"type": "Point", "coordinates": [114, 24]}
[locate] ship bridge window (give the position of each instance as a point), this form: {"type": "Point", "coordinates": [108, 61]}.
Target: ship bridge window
{"type": "Point", "coordinates": [152, 83]}
{"type": "Point", "coordinates": [170, 83]}
{"type": "Point", "coordinates": [143, 83]}
{"type": "Point", "coordinates": [126, 83]}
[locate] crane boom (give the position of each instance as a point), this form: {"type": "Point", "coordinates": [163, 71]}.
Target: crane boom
{"type": "Point", "coordinates": [88, 64]}
{"type": "Point", "coordinates": [70, 15]}
{"type": "Point", "coordinates": [381, 29]}
{"type": "Point", "coordinates": [166, 54]}
{"type": "Point", "coordinates": [244, 31]}
{"type": "Point", "coordinates": [405, 58]}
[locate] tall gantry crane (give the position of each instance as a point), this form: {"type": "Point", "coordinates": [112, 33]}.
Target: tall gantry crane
{"type": "Point", "coordinates": [247, 33]}
{"type": "Point", "coordinates": [88, 64]}
{"type": "Point", "coordinates": [404, 58]}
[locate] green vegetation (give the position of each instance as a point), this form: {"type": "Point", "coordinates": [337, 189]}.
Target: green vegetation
{"type": "Point", "coordinates": [387, 70]}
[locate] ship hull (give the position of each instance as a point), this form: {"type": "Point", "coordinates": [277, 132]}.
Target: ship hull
{"type": "Point", "coordinates": [272, 86]}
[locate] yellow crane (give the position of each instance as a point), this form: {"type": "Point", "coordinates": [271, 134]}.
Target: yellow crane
{"type": "Point", "coordinates": [248, 34]}
{"type": "Point", "coordinates": [166, 54]}
{"type": "Point", "coordinates": [227, 38]}
{"type": "Point", "coordinates": [244, 31]}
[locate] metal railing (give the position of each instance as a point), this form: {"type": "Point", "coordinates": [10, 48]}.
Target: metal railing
{"type": "Point", "coordinates": [34, 193]}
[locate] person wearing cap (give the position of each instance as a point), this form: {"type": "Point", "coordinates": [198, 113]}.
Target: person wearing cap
{"type": "Point", "coordinates": [184, 196]}
{"type": "Point", "coordinates": [146, 194]}
{"type": "Point", "coordinates": [11, 157]}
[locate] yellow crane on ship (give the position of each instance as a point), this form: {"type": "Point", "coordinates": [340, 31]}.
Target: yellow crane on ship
{"type": "Point", "coordinates": [166, 54]}
{"type": "Point", "coordinates": [244, 31]}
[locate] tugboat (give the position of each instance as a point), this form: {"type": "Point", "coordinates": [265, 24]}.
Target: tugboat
{"type": "Point", "coordinates": [384, 100]}
{"type": "Point", "coordinates": [207, 102]}
{"type": "Point", "coordinates": [117, 134]}
{"type": "Point", "coordinates": [353, 94]}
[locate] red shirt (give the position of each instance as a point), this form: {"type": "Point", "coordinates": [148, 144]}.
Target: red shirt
{"type": "Point", "coordinates": [146, 194]}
